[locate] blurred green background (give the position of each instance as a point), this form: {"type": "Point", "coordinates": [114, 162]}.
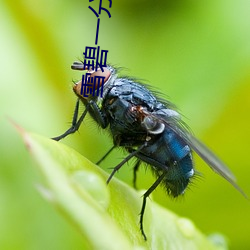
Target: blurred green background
{"type": "Point", "coordinates": [196, 52]}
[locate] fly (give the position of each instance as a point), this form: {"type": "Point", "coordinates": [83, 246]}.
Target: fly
{"type": "Point", "coordinates": [149, 128]}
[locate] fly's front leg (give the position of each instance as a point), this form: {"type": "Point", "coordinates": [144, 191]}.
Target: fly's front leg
{"type": "Point", "coordinates": [97, 114]}
{"type": "Point", "coordinates": [75, 124]}
{"type": "Point", "coordinates": [92, 108]}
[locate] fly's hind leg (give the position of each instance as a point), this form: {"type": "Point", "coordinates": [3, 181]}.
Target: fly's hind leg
{"type": "Point", "coordinates": [145, 196]}
{"type": "Point", "coordinates": [135, 169]}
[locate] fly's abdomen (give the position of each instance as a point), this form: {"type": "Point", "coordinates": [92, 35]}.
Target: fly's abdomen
{"type": "Point", "coordinates": [178, 176]}
{"type": "Point", "coordinates": [168, 154]}
{"type": "Point", "coordinates": [180, 166]}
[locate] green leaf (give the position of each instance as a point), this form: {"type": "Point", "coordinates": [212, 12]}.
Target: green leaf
{"type": "Point", "coordinates": [106, 215]}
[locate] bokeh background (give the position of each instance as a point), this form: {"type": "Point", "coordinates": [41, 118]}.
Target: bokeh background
{"type": "Point", "coordinates": [195, 52]}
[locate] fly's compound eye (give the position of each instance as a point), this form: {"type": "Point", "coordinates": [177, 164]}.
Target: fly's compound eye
{"type": "Point", "coordinates": [153, 126]}
{"type": "Point", "coordinates": [92, 81]}
{"type": "Point", "coordinates": [93, 74]}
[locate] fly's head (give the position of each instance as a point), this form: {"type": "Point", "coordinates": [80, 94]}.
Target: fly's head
{"type": "Point", "coordinates": [95, 83]}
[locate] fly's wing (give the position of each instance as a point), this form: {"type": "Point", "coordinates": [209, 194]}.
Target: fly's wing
{"type": "Point", "coordinates": [175, 124]}
{"type": "Point", "coordinates": [212, 160]}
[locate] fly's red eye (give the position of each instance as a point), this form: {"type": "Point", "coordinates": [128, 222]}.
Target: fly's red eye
{"type": "Point", "coordinates": [92, 73]}
{"type": "Point", "coordinates": [92, 81]}
{"type": "Point", "coordinates": [97, 74]}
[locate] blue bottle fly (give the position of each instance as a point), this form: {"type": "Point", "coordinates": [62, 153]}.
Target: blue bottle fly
{"type": "Point", "coordinates": [149, 128]}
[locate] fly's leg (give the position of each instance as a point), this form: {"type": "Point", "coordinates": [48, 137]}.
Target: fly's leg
{"type": "Point", "coordinates": [125, 160]}
{"type": "Point", "coordinates": [75, 124]}
{"type": "Point", "coordinates": [136, 167]}
{"type": "Point", "coordinates": [105, 155]}
{"type": "Point", "coordinates": [97, 114]}
{"type": "Point", "coordinates": [90, 107]}
{"type": "Point", "coordinates": [145, 196]}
